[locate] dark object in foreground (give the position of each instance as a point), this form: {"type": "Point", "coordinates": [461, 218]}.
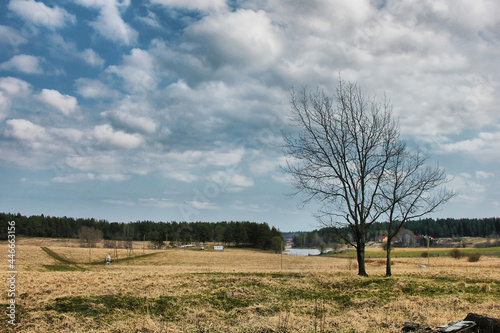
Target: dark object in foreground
{"type": "Point", "coordinates": [472, 323]}
{"type": "Point", "coordinates": [485, 324]}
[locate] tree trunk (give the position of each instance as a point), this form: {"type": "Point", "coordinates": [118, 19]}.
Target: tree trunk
{"type": "Point", "coordinates": [360, 251]}
{"type": "Point", "coordinates": [388, 267]}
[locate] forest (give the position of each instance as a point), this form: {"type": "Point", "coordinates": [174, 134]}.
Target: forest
{"type": "Point", "coordinates": [248, 234]}
{"type": "Point", "coordinates": [436, 228]}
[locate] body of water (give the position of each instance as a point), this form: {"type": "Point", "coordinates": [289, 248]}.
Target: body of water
{"type": "Point", "coordinates": [301, 252]}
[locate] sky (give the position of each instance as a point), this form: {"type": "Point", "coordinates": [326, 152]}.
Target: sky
{"type": "Point", "coordinates": [171, 110]}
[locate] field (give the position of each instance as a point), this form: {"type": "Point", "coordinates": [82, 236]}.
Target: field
{"type": "Point", "coordinates": [238, 290]}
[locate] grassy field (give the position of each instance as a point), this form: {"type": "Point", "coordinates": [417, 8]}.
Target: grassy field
{"type": "Point", "coordinates": [239, 290]}
{"type": "Point", "coordinates": [417, 252]}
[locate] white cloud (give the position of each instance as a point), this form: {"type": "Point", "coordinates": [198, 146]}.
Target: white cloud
{"type": "Point", "coordinates": [157, 202]}
{"type": "Point", "coordinates": [187, 165]}
{"type": "Point", "coordinates": [92, 58]}
{"type": "Point", "coordinates": [39, 14]}
{"type": "Point", "coordinates": [137, 71]}
{"type": "Point", "coordinates": [74, 178]}
{"type": "Point", "coordinates": [130, 121]}
{"type": "Point", "coordinates": [484, 174]}
{"type": "Point", "coordinates": [14, 87]}
{"type": "Point", "coordinates": [115, 177]}
{"type": "Point", "coordinates": [62, 48]}
{"type": "Point", "coordinates": [240, 205]}
{"type": "Point", "coordinates": [90, 88]}
{"type": "Point", "coordinates": [151, 19]}
{"type": "Point", "coordinates": [11, 36]}
{"type": "Point", "coordinates": [23, 129]}
{"type": "Point", "coordinates": [11, 88]}
{"type": "Point", "coordinates": [202, 5]}
{"type": "Point", "coordinates": [5, 104]}
{"type": "Point", "coordinates": [201, 204]}
{"type": "Point", "coordinates": [469, 188]}
{"type": "Point", "coordinates": [106, 136]}
{"type": "Point", "coordinates": [23, 63]}
{"type": "Point", "coordinates": [119, 202]}
{"type": "Point", "coordinates": [65, 104]}
{"type": "Point", "coordinates": [485, 146]}
{"type": "Point", "coordinates": [109, 23]}
{"type": "Point", "coordinates": [244, 39]}
{"type": "Point", "coordinates": [229, 179]}
{"type": "Point", "coordinates": [194, 158]}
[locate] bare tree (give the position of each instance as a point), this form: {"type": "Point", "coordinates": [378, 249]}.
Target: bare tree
{"type": "Point", "coordinates": [410, 191]}
{"type": "Point", "coordinates": [90, 237]}
{"type": "Point", "coordinates": [339, 156]}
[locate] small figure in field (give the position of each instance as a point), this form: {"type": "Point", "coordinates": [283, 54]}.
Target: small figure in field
{"type": "Point", "coordinates": [108, 260]}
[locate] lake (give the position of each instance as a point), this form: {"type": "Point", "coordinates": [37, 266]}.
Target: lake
{"type": "Point", "coordinates": [301, 252]}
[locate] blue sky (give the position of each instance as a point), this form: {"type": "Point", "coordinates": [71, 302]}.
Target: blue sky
{"type": "Point", "coordinates": [169, 110]}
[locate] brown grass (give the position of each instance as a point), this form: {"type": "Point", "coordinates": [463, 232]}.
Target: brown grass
{"type": "Point", "coordinates": [272, 293]}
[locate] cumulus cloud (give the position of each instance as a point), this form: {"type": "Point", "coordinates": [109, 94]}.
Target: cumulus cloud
{"type": "Point", "coordinates": [137, 71]}
{"type": "Point", "coordinates": [65, 104]}
{"type": "Point", "coordinates": [106, 136]}
{"type": "Point", "coordinates": [229, 179]}
{"type": "Point", "coordinates": [91, 58]}
{"type": "Point", "coordinates": [10, 89]}
{"type": "Point", "coordinates": [130, 121]}
{"type": "Point", "coordinates": [23, 129]}
{"type": "Point", "coordinates": [109, 23]}
{"type": "Point", "coordinates": [201, 204]}
{"type": "Point", "coordinates": [470, 188]}
{"type": "Point", "coordinates": [157, 202]}
{"type": "Point", "coordinates": [91, 88]}
{"type": "Point", "coordinates": [23, 63]}
{"type": "Point", "coordinates": [40, 14]}
{"type": "Point", "coordinates": [14, 87]}
{"type": "Point", "coordinates": [11, 36]}
{"type": "Point", "coordinates": [187, 165]}
{"type": "Point", "coordinates": [485, 146]}
{"type": "Point", "coordinates": [62, 48]}
{"type": "Point", "coordinates": [245, 39]}
{"type": "Point", "coordinates": [194, 4]}
{"type": "Point", "coordinates": [74, 178]}
{"type": "Point", "coordinates": [4, 106]}
{"type": "Point", "coordinates": [204, 95]}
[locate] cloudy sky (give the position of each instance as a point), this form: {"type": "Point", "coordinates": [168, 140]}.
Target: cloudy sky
{"type": "Point", "coordinates": [171, 109]}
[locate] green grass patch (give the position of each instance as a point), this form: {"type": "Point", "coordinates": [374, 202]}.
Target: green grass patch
{"type": "Point", "coordinates": [105, 305]}
{"type": "Point", "coordinates": [125, 259]}
{"type": "Point", "coordinates": [490, 251]}
{"type": "Point", "coordinates": [227, 297]}
{"type": "Point", "coordinates": [66, 264]}
{"type": "Point", "coordinates": [57, 256]}
{"type": "Point", "coordinates": [63, 268]}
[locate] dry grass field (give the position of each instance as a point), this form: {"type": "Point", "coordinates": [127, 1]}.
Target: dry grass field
{"type": "Point", "coordinates": [238, 290]}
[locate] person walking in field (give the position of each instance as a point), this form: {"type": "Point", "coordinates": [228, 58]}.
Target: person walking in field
{"type": "Point", "coordinates": [108, 260]}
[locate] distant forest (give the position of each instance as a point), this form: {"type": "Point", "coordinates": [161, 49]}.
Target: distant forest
{"type": "Point", "coordinates": [439, 228]}
{"type": "Point", "coordinates": [251, 234]}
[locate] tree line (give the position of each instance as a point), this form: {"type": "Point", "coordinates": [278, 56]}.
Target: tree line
{"type": "Point", "coordinates": [436, 228]}
{"type": "Point", "coordinates": [248, 234]}
{"type": "Point", "coordinates": [444, 228]}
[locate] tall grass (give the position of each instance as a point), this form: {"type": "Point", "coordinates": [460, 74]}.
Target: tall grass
{"type": "Point", "coordinates": [245, 291]}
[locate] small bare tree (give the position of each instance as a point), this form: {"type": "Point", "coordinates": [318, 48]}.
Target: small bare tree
{"type": "Point", "coordinates": [89, 236]}
{"type": "Point", "coordinates": [339, 155]}
{"type": "Point", "coordinates": [410, 191]}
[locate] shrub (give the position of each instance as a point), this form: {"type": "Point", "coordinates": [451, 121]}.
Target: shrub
{"type": "Point", "coordinates": [425, 254]}
{"type": "Point", "coordinates": [455, 253]}
{"type": "Point", "coordinates": [474, 257]}
{"type": "Point", "coordinates": [490, 243]}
